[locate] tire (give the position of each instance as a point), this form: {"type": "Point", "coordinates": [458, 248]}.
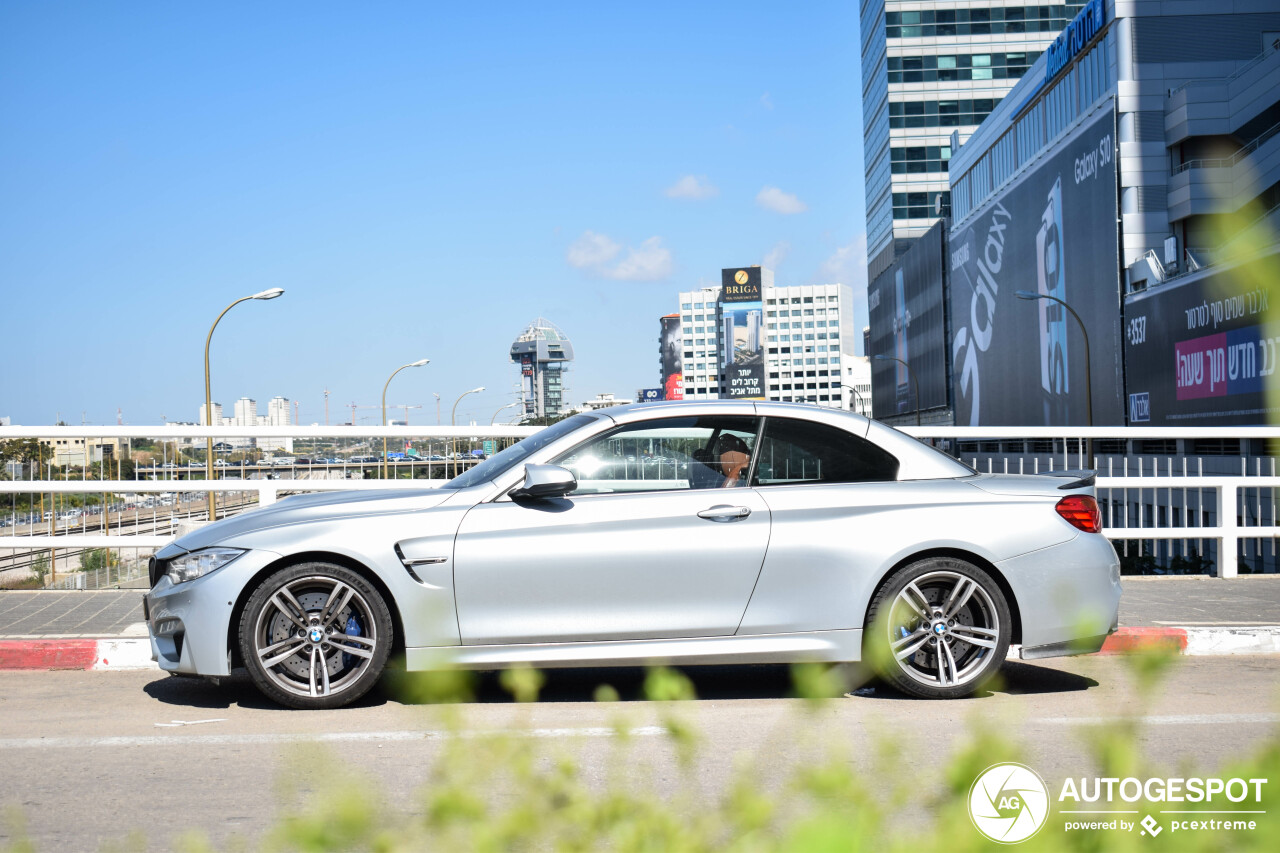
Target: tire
{"type": "Point", "coordinates": [938, 628]}
{"type": "Point", "coordinates": [353, 641]}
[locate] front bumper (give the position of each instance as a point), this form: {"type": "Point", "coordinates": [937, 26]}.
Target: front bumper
{"type": "Point", "coordinates": [189, 623]}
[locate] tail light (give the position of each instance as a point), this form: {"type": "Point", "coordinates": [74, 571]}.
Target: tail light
{"type": "Point", "coordinates": [1081, 512]}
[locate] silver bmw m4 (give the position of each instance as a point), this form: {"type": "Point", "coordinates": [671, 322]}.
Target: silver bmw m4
{"type": "Point", "coordinates": [685, 533]}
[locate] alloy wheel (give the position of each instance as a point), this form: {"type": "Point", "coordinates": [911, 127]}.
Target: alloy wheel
{"type": "Point", "coordinates": [316, 636]}
{"type": "Point", "coordinates": [944, 629]}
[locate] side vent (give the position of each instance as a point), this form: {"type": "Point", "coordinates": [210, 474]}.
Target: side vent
{"type": "Point", "coordinates": [409, 564]}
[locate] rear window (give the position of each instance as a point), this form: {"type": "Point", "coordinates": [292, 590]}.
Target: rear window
{"type": "Point", "coordinates": [795, 451]}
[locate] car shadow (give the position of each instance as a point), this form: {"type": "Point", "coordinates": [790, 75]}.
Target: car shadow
{"type": "Point", "coordinates": [1014, 679]}
{"type": "Point", "coordinates": [710, 683]}
{"type": "Point", "coordinates": [735, 682]}
{"type": "Point", "coordinates": [236, 690]}
{"type": "Point", "coordinates": [722, 682]}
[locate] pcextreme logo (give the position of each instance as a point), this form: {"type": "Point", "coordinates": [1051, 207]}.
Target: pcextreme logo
{"type": "Point", "coordinates": [1009, 803]}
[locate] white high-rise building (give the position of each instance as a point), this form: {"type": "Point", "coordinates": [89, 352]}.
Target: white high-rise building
{"type": "Point", "coordinates": [217, 415]}
{"type": "Point", "coordinates": [857, 382]}
{"type": "Point", "coordinates": [246, 410]}
{"type": "Point", "coordinates": [701, 351]}
{"type": "Point", "coordinates": [278, 413]}
{"type": "Point", "coordinates": [807, 336]}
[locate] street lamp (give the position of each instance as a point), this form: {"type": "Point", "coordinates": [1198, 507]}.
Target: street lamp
{"type": "Point", "coordinates": [419, 363]}
{"type": "Point", "coordinates": [208, 389]}
{"type": "Point", "coordinates": [453, 421]}
{"type": "Point", "coordinates": [507, 406]}
{"type": "Point", "coordinates": [914, 382]}
{"type": "Point", "coordinates": [1088, 373]}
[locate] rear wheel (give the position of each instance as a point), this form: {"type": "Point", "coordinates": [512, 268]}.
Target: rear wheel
{"type": "Point", "coordinates": [315, 635]}
{"type": "Point", "coordinates": [938, 628]}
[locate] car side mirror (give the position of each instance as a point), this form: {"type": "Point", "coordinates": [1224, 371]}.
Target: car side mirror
{"type": "Point", "coordinates": [546, 481]}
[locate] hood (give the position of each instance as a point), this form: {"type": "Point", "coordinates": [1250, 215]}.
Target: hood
{"type": "Point", "coordinates": [300, 509]}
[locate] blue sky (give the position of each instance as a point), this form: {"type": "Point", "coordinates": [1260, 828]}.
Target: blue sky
{"type": "Point", "coordinates": [423, 180]}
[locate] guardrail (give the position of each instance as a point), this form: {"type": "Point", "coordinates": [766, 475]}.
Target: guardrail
{"type": "Point", "coordinates": [245, 486]}
{"type": "Point", "coordinates": [1200, 504]}
{"type": "Point", "coordinates": [1181, 505]}
{"type": "Point", "coordinates": [1228, 162]}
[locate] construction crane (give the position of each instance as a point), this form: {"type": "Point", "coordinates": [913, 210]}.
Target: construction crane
{"type": "Point", "coordinates": [406, 411]}
{"type": "Point", "coordinates": [405, 406]}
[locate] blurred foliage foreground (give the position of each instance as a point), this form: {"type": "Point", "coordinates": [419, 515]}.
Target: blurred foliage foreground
{"type": "Point", "coordinates": [511, 791]}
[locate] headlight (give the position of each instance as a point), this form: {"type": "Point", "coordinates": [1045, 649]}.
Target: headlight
{"type": "Point", "coordinates": [197, 564]}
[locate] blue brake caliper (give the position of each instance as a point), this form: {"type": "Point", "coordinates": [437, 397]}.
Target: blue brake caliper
{"type": "Point", "coordinates": [353, 630]}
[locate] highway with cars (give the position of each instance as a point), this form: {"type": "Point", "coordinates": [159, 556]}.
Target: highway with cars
{"type": "Point", "coordinates": [146, 514]}
{"type": "Point", "coordinates": [432, 465]}
{"type": "Point", "coordinates": [103, 755]}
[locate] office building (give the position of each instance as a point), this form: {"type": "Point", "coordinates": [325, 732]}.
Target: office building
{"type": "Point", "coordinates": [246, 412]}
{"type": "Point", "coordinates": [278, 412]}
{"type": "Point", "coordinates": [750, 339]}
{"type": "Point", "coordinates": [1133, 174]}
{"type": "Point", "coordinates": [931, 69]}
{"type": "Point", "coordinates": [907, 340]}
{"type": "Point", "coordinates": [700, 350]}
{"type": "Point", "coordinates": [543, 353]}
{"type": "Point", "coordinates": [857, 384]}
{"type": "Point", "coordinates": [73, 452]}
{"type": "Point", "coordinates": [217, 415]}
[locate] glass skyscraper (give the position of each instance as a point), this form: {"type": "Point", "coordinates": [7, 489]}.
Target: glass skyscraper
{"type": "Point", "coordinates": [931, 69]}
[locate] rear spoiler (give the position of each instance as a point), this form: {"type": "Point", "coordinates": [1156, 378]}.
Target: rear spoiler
{"type": "Point", "coordinates": [1079, 478]}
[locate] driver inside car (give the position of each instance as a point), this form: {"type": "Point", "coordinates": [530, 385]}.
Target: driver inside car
{"type": "Point", "coordinates": [734, 460]}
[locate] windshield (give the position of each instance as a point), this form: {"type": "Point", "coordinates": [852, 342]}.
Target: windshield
{"type": "Point", "coordinates": [505, 460]}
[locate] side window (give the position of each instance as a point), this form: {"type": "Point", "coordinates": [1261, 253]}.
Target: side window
{"type": "Point", "coordinates": [673, 453]}
{"type": "Point", "coordinates": [794, 451]}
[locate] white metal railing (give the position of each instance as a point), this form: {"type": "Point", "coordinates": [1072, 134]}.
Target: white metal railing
{"type": "Point", "coordinates": [156, 526]}
{"type": "Point", "coordinates": [1219, 491]}
{"type": "Point", "coordinates": [1129, 477]}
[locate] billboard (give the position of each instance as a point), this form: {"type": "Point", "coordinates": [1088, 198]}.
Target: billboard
{"type": "Point", "coordinates": [741, 315]}
{"type": "Point", "coordinates": [906, 312]}
{"type": "Point", "coordinates": [741, 333]}
{"type": "Point", "coordinates": [1051, 236]}
{"type": "Point", "coordinates": [672, 360]}
{"type": "Point", "coordinates": [650, 395]}
{"type": "Point", "coordinates": [1200, 353]}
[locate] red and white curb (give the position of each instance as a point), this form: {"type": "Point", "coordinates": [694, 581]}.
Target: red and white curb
{"type": "Point", "coordinates": [106, 654]}
{"type": "Point", "coordinates": [135, 652]}
{"type": "Point", "coordinates": [1196, 641]}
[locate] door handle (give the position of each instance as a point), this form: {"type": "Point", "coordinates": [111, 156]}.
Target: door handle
{"type": "Point", "coordinates": [725, 513]}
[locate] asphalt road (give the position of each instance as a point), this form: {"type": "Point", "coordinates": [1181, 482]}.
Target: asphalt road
{"type": "Point", "coordinates": [91, 757]}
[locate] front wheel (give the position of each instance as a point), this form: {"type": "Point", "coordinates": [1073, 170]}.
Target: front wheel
{"type": "Point", "coordinates": [938, 628]}
{"type": "Point", "coordinates": [315, 635]}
